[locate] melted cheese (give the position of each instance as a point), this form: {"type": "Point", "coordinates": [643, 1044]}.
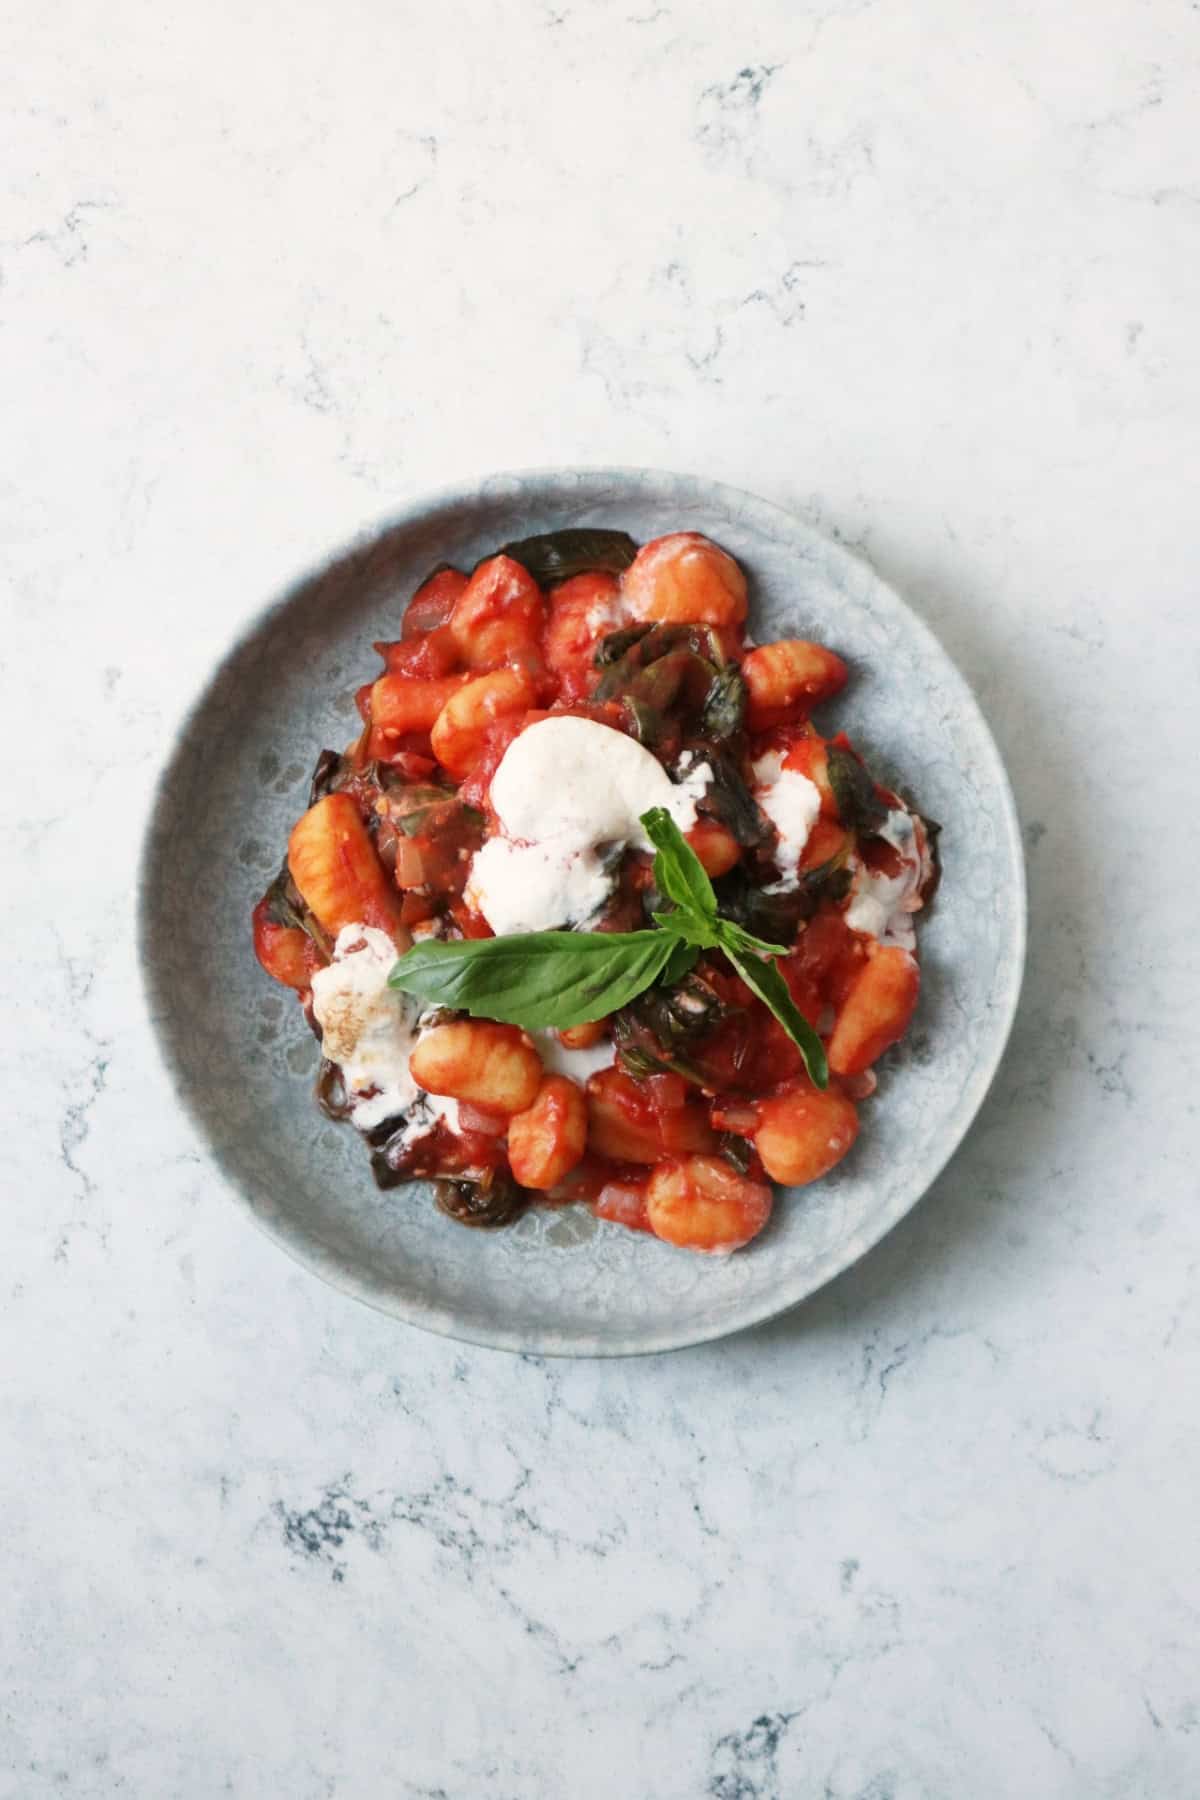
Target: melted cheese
{"type": "Point", "coordinates": [369, 1030]}
{"type": "Point", "coordinates": [792, 803]}
{"type": "Point", "coordinates": [568, 795]}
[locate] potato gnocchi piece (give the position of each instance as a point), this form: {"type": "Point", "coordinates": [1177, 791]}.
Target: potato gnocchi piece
{"type": "Point", "coordinates": [684, 578]}
{"type": "Point", "coordinates": [460, 730]}
{"type": "Point", "coordinates": [785, 680]}
{"type": "Point", "coordinates": [877, 1011]}
{"type": "Point", "coordinates": [490, 1065]}
{"type": "Point", "coordinates": [701, 1203]}
{"type": "Point", "coordinates": [499, 614]}
{"type": "Point", "coordinates": [334, 864]}
{"type": "Point", "coordinates": [547, 1140]}
{"type": "Point", "coordinates": [802, 1136]}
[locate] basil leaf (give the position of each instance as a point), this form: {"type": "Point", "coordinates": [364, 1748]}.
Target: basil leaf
{"type": "Point", "coordinates": [764, 979]}
{"type": "Point", "coordinates": [484, 1201]}
{"type": "Point", "coordinates": [728, 932]}
{"type": "Point", "coordinates": [737, 1152]}
{"type": "Point", "coordinates": [557, 555]}
{"type": "Point", "coordinates": [664, 1028]}
{"type": "Point", "coordinates": [688, 927]}
{"type": "Point", "coordinates": [649, 725]}
{"type": "Point", "coordinates": [933, 832]}
{"type": "Point", "coordinates": [410, 808]}
{"type": "Point", "coordinates": [682, 961]}
{"type": "Point", "coordinates": [538, 978]}
{"type": "Point", "coordinates": [678, 871]}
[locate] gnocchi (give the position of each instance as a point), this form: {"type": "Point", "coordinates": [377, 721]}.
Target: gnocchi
{"type": "Point", "coordinates": [461, 727]}
{"type": "Point", "coordinates": [489, 1065]}
{"type": "Point", "coordinates": [335, 867]}
{"type": "Point", "coordinates": [626, 1126]}
{"type": "Point", "coordinates": [876, 1012]}
{"type": "Point", "coordinates": [701, 1203]}
{"type": "Point", "coordinates": [685, 577]}
{"type": "Point", "coordinates": [546, 1141]}
{"type": "Point", "coordinates": [787, 679]}
{"type": "Point", "coordinates": [801, 1136]}
{"type": "Point", "coordinates": [498, 614]}
{"type": "Point", "coordinates": [409, 703]}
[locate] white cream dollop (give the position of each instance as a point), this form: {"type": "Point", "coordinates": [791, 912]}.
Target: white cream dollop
{"type": "Point", "coordinates": [881, 905]}
{"type": "Point", "coordinates": [792, 803]}
{"type": "Point", "coordinates": [568, 794]}
{"type": "Point", "coordinates": [369, 1030]}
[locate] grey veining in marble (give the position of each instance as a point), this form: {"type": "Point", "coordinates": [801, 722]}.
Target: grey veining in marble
{"type": "Point", "coordinates": [928, 277]}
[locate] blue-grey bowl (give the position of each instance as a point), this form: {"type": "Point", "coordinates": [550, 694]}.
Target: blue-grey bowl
{"type": "Point", "coordinates": [243, 1059]}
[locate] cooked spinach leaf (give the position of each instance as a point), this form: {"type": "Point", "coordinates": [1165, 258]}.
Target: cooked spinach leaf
{"type": "Point", "coordinates": [660, 1031]}
{"type": "Point", "coordinates": [483, 1201]}
{"type": "Point", "coordinates": [285, 906]}
{"type": "Point", "coordinates": [730, 802]}
{"type": "Point", "coordinates": [859, 806]}
{"type": "Point", "coordinates": [724, 711]}
{"type": "Point", "coordinates": [578, 550]}
{"type": "Point", "coordinates": [325, 775]}
{"type": "Point", "coordinates": [612, 648]}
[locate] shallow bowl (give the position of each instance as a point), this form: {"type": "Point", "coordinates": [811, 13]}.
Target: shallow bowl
{"type": "Point", "coordinates": [242, 1058]}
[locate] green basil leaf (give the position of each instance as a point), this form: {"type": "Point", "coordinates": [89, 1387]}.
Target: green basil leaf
{"type": "Point", "coordinates": [728, 932]}
{"type": "Point", "coordinates": [688, 927]}
{"type": "Point", "coordinates": [682, 961]}
{"type": "Point", "coordinates": [557, 555]}
{"type": "Point", "coordinates": [678, 871]}
{"type": "Point", "coordinates": [539, 978]}
{"type": "Point", "coordinates": [764, 979]}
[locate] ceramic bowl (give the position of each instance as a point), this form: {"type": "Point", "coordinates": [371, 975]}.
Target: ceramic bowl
{"type": "Point", "coordinates": [243, 1060]}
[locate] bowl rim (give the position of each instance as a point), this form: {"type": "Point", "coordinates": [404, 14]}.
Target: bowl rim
{"type": "Point", "coordinates": [441, 1319]}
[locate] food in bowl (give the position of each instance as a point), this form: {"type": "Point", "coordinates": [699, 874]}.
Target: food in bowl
{"type": "Point", "coordinates": [591, 910]}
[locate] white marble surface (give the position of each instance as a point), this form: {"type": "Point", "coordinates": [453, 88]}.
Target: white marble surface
{"type": "Point", "coordinates": [930, 273]}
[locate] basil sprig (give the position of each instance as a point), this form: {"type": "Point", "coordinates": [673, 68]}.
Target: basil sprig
{"type": "Point", "coordinates": [560, 978]}
{"type": "Point", "coordinates": [680, 875]}
{"type": "Point", "coordinates": [542, 978]}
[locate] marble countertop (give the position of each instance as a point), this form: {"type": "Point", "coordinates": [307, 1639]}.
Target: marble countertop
{"type": "Point", "coordinates": [929, 274]}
